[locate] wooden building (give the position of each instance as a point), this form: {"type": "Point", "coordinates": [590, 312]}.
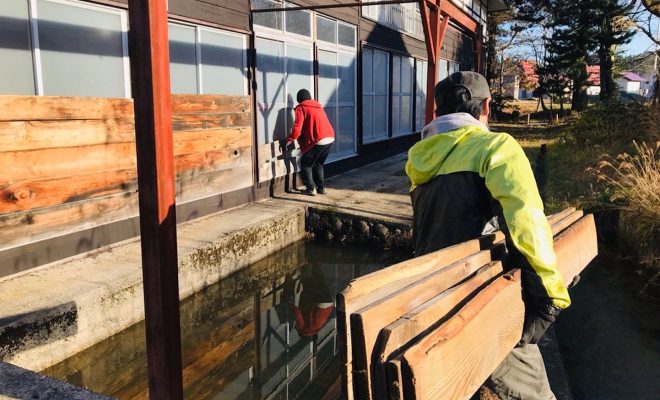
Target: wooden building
{"type": "Point", "coordinates": [67, 142]}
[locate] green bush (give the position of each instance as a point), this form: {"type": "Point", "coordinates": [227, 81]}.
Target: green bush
{"type": "Point", "coordinates": [605, 124]}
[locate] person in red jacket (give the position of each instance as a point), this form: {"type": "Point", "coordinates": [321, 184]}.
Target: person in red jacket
{"type": "Point", "coordinates": [315, 135]}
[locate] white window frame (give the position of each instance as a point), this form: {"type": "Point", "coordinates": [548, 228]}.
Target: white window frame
{"type": "Point", "coordinates": [422, 95]}
{"type": "Point", "coordinates": [33, 14]}
{"type": "Point", "coordinates": [267, 32]}
{"type": "Point", "coordinates": [338, 49]}
{"type": "Point", "coordinates": [373, 94]}
{"type": "Point", "coordinates": [400, 94]}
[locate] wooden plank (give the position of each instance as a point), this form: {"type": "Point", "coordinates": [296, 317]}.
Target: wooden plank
{"type": "Point", "coordinates": [209, 103]}
{"type": "Point", "coordinates": [451, 362]}
{"type": "Point", "coordinates": [31, 108]}
{"type": "Point", "coordinates": [367, 322]}
{"type": "Point", "coordinates": [383, 283]}
{"type": "Point", "coordinates": [395, 336]}
{"type": "Point", "coordinates": [189, 122]}
{"type": "Point", "coordinates": [576, 247]}
{"type": "Point", "coordinates": [567, 221]}
{"type": "Point", "coordinates": [35, 135]}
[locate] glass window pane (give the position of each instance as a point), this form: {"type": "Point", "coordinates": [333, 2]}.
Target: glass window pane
{"type": "Point", "coordinates": [443, 69]}
{"type": "Point", "coordinates": [380, 117]}
{"type": "Point", "coordinates": [367, 117]}
{"type": "Point", "coordinates": [183, 59]}
{"type": "Point", "coordinates": [326, 29]}
{"type": "Point", "coordinates": [81, 51]}
{"type": "Point", "coordinates": [271, 20]}
{"type": "Point", "coordinates": [332, 116]}
{"type": "Point", "coordinates": [406, 114]}
{"type": "Point", "coordinates": [396, 114]}
{"type": "Point", "coordinates": [381, 72]}
{"type": "Point", "coordinates": [406, 75]}
{"type": "Point", "coordinates": [299, 22]}
{"type": "Point", "coordinates": [327, 77]}
{"type": "Point", "coordinates": [346, 76]}
{"type": "Point", "coordinates": [346, 35]}
{"type": "Point", "coordinates": [299, 71]}
{"type": "Point", "coordinates": [396, 74]}
{"type": "Point", "coordinates": [271, 113]}
{"type": "Point", "coordinates": [346, 134]}
{"type": "Point", "coordinates": [222, 57]}
{"type": "Point", "coordinates": [15, 49]}
{"type": "Point", "coordinates": [367, 66]}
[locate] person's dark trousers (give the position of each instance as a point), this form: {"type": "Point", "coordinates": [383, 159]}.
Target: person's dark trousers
{"type": "Point", "coordinates": [312, 166]}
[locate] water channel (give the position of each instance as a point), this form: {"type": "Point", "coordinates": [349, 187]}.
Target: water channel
{"type": "Point", "coordinates": [265, 332]}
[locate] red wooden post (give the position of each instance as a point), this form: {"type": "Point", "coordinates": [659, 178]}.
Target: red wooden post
{"type": "Point", "coordinates": [149, 53]}
{"type": "Point", "coordinates": [434, 34]}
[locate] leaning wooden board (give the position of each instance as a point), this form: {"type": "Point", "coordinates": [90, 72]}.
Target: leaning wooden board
{"type": "Point", "coordinates": [575, 248]}
{"type": "Point", "coordinates": [389, 280]}
{"type": "Point", "coordinates": [366, 323]}
{"type": "Point", "coordinates": [452, 361]}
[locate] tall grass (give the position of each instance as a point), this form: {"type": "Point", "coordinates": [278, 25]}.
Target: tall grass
{"type": "Point", "coordinates": [632, 184]}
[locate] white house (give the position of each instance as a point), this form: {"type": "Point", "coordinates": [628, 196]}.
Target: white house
{"type": "Point", "coordinates": [630, 82]}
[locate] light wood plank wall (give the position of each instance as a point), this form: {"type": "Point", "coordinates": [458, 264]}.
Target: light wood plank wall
{"type": "Point", "coordinates": [69, 163]}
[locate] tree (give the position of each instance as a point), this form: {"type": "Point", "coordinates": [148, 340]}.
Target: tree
{"type": "Point", "coordinates": [613, 30]}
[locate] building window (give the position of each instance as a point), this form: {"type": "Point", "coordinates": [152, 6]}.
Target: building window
{"type": "Point", "coordinates": [206, 61]}
{"type": "Point", "coordinates": [446, 68]}
{"type": "Point", "coordinates": [375, 91]}
{"type": "Point", "coordinates": [420, 94]}
{"type": "Point", "coordinates": [326, 30]}
{"type": "Point", "coordinates": [402, 95]}
{"type": "Point", "coordinates": [44, 41]}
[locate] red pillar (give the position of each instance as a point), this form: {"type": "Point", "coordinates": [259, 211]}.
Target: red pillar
{"type": "Point", "coordinates": [149, 54]}
{"type": "Point", "coordinates": [434, 33]}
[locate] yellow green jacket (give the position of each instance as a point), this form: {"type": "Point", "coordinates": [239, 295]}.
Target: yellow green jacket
{"type": "Point", "coordinates": [459, 178]}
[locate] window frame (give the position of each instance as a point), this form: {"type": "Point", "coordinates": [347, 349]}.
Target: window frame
{"type": "Point", "coordinates": [388, 94]}
{"type": "Point", "coordinates": [33, 15]}
{"type": "Point", "coordinates": [400, 94]}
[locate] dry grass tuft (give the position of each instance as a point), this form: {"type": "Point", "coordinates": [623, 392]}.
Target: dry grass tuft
{"type": "Point", "coordinates": [632, 184]}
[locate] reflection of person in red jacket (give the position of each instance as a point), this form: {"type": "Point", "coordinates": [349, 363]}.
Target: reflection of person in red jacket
{"type": "Point", "coordinates": [315, 135]}
{"type": "Point", "coordinates": [315, 305]}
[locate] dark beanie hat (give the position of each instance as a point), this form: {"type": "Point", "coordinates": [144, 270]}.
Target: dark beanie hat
{"type": "Point", "coordinates": [303, 94]}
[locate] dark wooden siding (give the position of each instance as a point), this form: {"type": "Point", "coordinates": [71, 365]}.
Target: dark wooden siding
{"type": "Point", "coordinates": [381, 36]}
{"type": "Point", "coordinates": [228, 13]}
{"type": "Point", "coordinates": [457, 46]}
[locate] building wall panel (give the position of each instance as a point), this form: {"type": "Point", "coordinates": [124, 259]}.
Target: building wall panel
{"type": "Point", "coordinates": [381, 36]}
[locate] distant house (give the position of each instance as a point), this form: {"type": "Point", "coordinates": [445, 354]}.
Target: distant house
{"type": "Point", "coordinates": [521, 85]}
{"type": "Point", "coordinates": [593, 73]}
{"type": "Point", "coordinates": [630, 82]}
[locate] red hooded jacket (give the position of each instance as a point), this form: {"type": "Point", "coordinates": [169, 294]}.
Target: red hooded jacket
{"type": "Point", "coordinates": [311, 125]}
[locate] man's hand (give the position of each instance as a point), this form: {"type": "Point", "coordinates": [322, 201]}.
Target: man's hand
{"type": "Point", "coordinates": [537, 321]}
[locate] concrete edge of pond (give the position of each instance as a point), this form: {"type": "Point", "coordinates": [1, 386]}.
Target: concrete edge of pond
{"type": "Point", "coordinates": [20, 383]}
{"type": "Point", "coordinates": [53, 312]}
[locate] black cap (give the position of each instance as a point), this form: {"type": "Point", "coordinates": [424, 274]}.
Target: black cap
{"type": "Point", "coordinates": [474, 84]}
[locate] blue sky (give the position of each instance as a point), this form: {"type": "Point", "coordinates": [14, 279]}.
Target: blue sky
{"type": "Point", "coordinates": [640, 42]}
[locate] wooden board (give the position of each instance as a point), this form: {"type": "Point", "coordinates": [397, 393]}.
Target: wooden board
{"type": "Point", "coordinates": [385, 282]}
{"type": "Point", "coordinates": [393, 337]}
{"type": "Point", "coordinates": [367, 322]}
{"type": "Point", "coordinates": [452, 361]}
{"type": "Point", "coordinates": [576, 247]}
{"type": "Point", "coordinates": [64, 157]}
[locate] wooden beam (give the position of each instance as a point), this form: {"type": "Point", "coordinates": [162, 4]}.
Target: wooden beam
{"type": "Point", "coordinates": [458, 16]}
{"type": "Point", "coordinates": [427, 25]}
{"type": "Point", "coordinates": [394, 336]}
{"type": "Point", "coordinates": [149, 55]}
{"type": "Point", "coordinates": [367, 322]}
{"type": "Point", "coordinates": [451, 362]}
{"type": "Point", "coordinates": [576, 247]}
{"type": "Point", "coordinates": [360, 292]}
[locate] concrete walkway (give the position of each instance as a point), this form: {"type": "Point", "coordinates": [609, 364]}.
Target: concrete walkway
{"type": "Point", "coordinates": [376, 191]}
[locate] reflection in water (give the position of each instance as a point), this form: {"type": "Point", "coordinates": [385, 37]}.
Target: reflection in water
{"type": "Point", "coordinates": [266, 332]}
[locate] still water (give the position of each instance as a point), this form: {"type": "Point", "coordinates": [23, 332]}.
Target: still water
{"type": "Point", "coordinates": [266, 332]}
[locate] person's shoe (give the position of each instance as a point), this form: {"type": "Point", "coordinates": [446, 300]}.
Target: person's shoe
{"type": "Point", "coordinates": [309, 192]}
{"type": "Point", "coordinates": [320, 190]}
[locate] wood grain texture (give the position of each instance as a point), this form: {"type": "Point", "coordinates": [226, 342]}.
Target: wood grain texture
{"type": "Point", "coordinates": [452, 361]}
{"type": "Point", "coordinates": [381, 284]}
{"type": "Point", "coordinates": [393, 338]}
{"type": "Point", "coordinates": [64, 155]}
{"type": "Point", "coordinates": [576, 247]}
{"type": "Point", "coordinates": [367, 322]}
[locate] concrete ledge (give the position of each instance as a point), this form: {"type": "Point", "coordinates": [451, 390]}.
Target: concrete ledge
{"type": "Point", "coordinates": [50, 313]}
{"type": "Point", "coordinates": [19, 383]}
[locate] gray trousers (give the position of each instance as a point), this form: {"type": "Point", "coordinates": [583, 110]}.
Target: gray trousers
{"type": "Point", "coordinates": [521, 376]}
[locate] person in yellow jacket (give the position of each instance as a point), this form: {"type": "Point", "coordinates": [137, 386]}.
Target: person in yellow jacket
{"type": "Point", "coordinates": [466, 179]}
